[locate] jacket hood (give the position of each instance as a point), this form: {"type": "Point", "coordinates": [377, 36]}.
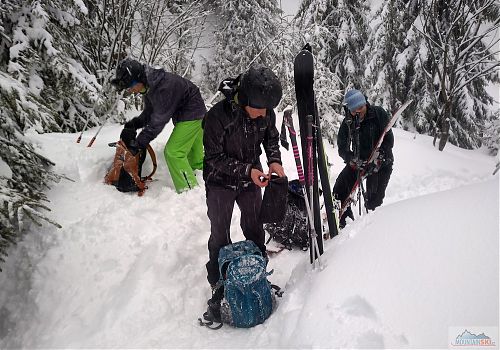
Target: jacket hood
{"type": "Point", "coordinates": [154, 76]}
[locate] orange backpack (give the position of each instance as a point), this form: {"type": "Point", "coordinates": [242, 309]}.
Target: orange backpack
{"type": "Point", "coordinates": [124, 173]}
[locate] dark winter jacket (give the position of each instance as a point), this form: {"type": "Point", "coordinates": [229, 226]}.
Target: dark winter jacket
{"type": "Point", "coordinates": [371, 128]}
{"type": "Point", "coordinates": [168, 96]}
{"type": "Point", "coordinates": [232, 142]}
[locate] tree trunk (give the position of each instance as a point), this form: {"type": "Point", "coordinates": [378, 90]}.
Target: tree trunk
{"type": "Point", "coordinates": [445, 134]}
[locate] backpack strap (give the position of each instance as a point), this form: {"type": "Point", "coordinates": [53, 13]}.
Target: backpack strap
{"type": "Point", "coordinates": [277, 290]}
{"type": "Point", "coordinates": [131, 166]}
{"type": "Point", "coordinates": [155, 164]}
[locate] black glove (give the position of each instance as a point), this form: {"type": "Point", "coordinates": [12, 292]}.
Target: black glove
{"type": "Point", "coordinates": [372, 167]}
{"type": "Point", "coordinates": [128, 135]}
{"type": "Point", "coordinates": [134, 148]}
{"type": "Point", "coordinates": [376, 164]}
{"type": "Point", "coordinates": [131, 124]}
{"type": "Point", "coordinates": [357, 164]}
{"type": "Point", "coordinates": [348, 156]}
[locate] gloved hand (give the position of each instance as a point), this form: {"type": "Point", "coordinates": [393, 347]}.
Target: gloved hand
{"type": "Point", "coordinates": [128, 135]}
{"type": "Point", "coordinates": [376, 164]}
{"type": "Point", "coordinates": [134, 148]}
{"type": "Point", "coordinates": [131, 124]}
{"type": "Point", "coordinates": [357, 164]}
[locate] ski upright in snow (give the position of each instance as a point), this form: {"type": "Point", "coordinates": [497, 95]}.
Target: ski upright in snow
{"type": "Point", "coordinates": [333, 228]}
{"type": "Point", "coordinates": [303, 72]}
{"type": "Point", "coordinates": [315, 160]}
{"type": "Point", "coordinates": [347, 202]}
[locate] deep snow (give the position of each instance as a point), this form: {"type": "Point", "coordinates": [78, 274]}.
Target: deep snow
{"type": "Point", "coordinates": [129, 272]}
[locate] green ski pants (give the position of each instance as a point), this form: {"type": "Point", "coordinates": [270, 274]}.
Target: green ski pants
{"type": "Point", "coordinates": [184, 153]}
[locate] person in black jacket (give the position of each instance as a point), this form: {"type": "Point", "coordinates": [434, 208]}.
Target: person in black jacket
{"type": "Point", "coordinates": [371, 121]}
{"type": "Point", "coordinates": [234, 130]}
{"type": "Point", "coordinates": [166, 96]}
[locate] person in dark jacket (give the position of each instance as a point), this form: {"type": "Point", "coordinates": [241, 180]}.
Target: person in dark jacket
{"type": "Point", "coordinates": [166, 96]}
{"type": "Point", "coordinates": [371, 121]}
{"type": "Point", "coordinates": [234, 130]}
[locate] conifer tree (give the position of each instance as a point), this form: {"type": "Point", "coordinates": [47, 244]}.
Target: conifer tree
{"type": "Point", "coordinates": [246, 32]}
{"type": "Point", "coordinates": [43, 87]}
{"type": "Point", "coordinates": [458, 60]}
{"type": "Point", "coordinates": [390, 55]}
{"type": "Point", "coordinates": [317, 27]}
{"type": "Point", "coordinates": [340, 30]}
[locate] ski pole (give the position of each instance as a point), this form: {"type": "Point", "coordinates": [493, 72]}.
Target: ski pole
{"type": "Point", "coordinates": [363, 193]}
{"type": "Point", "coordinates": [85, 126]}
{"type": "Point", "coordinates": [360, 173]}
{"type": "Point", "coordinates": [106, 116]}
{"type": "Point", "coordinates": [83, 130]}
{"type": "Point", "coordinates": [287, 116]}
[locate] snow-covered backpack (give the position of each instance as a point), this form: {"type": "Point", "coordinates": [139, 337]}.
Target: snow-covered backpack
{"type": "Point", "coordinates": [292, 231]}
{"type": "Point", "coordinates": [125, 172]}
{"type": "Point", "coordinates": [248, 295]}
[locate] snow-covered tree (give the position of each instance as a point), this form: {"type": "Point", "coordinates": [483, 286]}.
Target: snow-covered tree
{"type": "Point", "coordinates": [44, 86]}
{"type": "Point", "coordinates": [391, 55]}
{"type": "Point", "coordinates": [458, 56]}
{"type": "Point", "coordinates": [167, 33]}
{"type": "Point", "coordinates": [246, 32]}
{"type": "Point", "coordinates": [334, 64]}
{"type": "Point", "coordinates": [491, 134]}
{"type": "Point", "coordinates": [339, 29]}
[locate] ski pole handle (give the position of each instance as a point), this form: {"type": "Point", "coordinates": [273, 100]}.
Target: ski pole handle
{"type": "Point", "coordinates": [310, 162]}
{"type": "Point", "coordinates": [287, 116]}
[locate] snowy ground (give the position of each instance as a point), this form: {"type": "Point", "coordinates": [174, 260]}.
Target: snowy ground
{"type": "Point", "coordinates": [128, 272]}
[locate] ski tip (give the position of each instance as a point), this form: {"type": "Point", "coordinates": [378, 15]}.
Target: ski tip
{"type": "Point", "coordinates": [406, 104]}
{"type": "Point", "coordinates": [307, 47]}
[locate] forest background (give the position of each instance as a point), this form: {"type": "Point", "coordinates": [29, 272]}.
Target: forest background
{"type": "Point", "coordinates": [57, 56]}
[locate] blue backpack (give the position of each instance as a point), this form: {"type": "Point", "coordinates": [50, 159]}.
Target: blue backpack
{"type": "Point", "coordinates": [248, 296]}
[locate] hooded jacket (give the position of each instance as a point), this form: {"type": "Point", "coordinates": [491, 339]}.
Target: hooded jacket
{"type": "Point", "coordinates": [169, 96]}
{"type": "Point", "coordinates": [371, 127]}
{"type": "Point", "coordinates": [232, 142]}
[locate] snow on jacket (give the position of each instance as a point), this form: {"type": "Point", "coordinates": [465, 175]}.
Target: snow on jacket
{"type": "Point", "coordinates": [371, 128]}
{"type": "Point", "coordinates": [232, 142]}
{"type": "Point", "coordinates": [169, 96]}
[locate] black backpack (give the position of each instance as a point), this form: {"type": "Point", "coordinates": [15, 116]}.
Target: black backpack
{"type": "Point", "coordinates": [125, 171]}
{"type": "Point", "coordinates": [292, 231]}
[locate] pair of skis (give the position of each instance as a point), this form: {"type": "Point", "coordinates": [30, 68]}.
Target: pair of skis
{"type": "Point", "coordinates": [313, 153]}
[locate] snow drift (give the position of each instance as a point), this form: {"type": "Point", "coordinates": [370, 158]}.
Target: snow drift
{"type": "Point", "coordinates": [129, 272]}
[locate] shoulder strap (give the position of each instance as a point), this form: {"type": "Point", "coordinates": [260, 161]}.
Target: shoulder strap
{"type": "Point", "coordinates": [153, 159]}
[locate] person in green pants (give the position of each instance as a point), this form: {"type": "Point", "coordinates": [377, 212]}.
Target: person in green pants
{"type": "Point", "coordinates": [184, 153]}
{"type": "Point", "coordinates": [166, 96]}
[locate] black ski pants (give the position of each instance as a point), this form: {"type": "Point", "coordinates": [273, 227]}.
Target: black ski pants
{"type": "Point", "coordinates": [220, 203]}
{"type": "Point", "coordinates": [376, 185]}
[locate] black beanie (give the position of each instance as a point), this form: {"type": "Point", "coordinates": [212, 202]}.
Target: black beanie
{"type": "Point", "coordinates": [259, 87]}
{"type": "Point", "coordinates": [129, 71]}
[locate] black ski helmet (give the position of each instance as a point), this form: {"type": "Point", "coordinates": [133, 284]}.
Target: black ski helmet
{"type": "Point", "coordinates": [128, 72]}
{"type": "Point", "coordinates": [259, 87]}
